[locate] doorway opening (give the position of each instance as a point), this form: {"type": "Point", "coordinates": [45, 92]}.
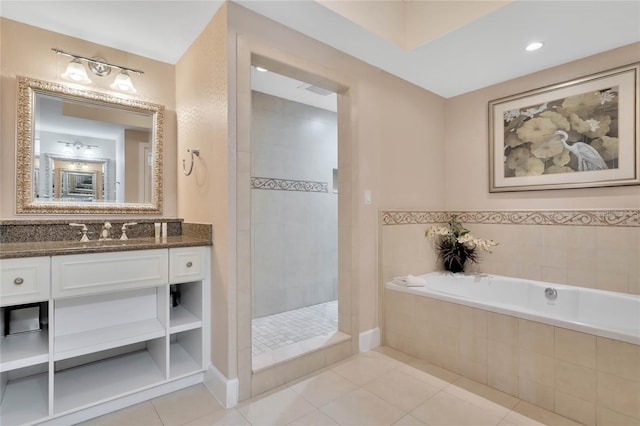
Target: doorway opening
{"type": "Point", "coordinates": [294, 217]}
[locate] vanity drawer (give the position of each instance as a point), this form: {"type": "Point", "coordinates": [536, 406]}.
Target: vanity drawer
{"type": "Point", "coordinates": [81, 274]}
{"type": "Point", "coordinates": [24, 280]}
{"type": "Point", "coordinates": [186, 264]}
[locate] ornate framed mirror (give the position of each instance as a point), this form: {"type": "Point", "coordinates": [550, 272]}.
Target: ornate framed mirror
{"type": "Point", "coordinates": [81, 151]}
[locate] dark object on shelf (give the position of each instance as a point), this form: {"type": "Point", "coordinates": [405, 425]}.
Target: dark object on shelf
{"type": "Point", "coordinates": [174, 295]}
{"type": "Point", "coordinates": [22, 318]}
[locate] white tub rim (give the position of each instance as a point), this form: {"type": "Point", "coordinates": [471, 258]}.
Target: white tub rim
{"type": "Point", "coordinates": [523, 313]}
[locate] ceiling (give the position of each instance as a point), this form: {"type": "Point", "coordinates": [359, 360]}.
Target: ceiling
{"type": "Point", "coordinates": [469, 55]}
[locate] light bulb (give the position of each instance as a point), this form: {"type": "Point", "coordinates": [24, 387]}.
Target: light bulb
{"type": "Point", "coordinates": [533, 46]}
{"type": "Point", "coordinates": [75, 72]}
{"type": "Point", "coordinates": [123, 83]}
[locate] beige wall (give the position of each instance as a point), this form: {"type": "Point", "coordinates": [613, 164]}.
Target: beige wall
{"type": "Point", "coordinates": [388, 119]}
{"type": "Point", "coordinates": [467, 151]}
{"type": "Point", "coordinates": [26, 51]}
{"type": "Point", "coordinates": [202, 104]}
{"type": "Point", "coordinates": [398, 132]}
{"type": "Point", "coordinates": [381, 118]}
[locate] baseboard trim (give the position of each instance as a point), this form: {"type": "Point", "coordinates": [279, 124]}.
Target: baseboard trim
{"type": "Point", "coordinates": [369, 339]}
{"type": "Point", "coordinates": [224, 390]}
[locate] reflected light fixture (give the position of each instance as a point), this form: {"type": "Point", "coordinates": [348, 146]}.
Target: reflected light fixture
{"type": "Point", "coordinates": [77, 73]}
{"type": "Point", "coordinates": [534, 46]}
{"type": "Point", "coordinates": [78, 146]}
{"type": "Point", "coordinates": [261, 69]}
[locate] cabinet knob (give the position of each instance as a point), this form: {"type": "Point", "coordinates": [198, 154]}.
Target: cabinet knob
{"type": "Point", "coordinates": [189, 264]}
{"type": "Point", "coordinates": [18, 281]}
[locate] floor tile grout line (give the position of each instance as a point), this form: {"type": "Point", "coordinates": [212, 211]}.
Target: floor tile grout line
{"type": "Point", "coordinates": [157, 413]}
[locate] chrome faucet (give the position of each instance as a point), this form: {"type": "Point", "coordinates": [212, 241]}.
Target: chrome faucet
{"type": "Point", "coordinates": [124, 230]}
{"type": "Point", "coordinates": [105, 234]}
{"type": "Point", "coordinates": [84, 238]}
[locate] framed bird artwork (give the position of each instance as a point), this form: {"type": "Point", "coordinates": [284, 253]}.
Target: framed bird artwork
{"type": "Point", "coordinates": [578, 134]}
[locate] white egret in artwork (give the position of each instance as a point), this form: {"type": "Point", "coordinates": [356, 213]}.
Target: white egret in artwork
{"type": "Point", "coordinates": [588, 157]}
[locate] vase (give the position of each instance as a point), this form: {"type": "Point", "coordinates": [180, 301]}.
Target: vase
{"type": "Point", "coordinates": [455, 256]}
{"type": "Point", "coordinates": [455, 265]}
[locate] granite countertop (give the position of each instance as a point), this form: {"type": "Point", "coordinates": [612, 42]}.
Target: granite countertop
{"type": "Point", "coordinates": [57, 248]}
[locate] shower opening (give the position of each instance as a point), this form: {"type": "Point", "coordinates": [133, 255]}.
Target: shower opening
{"type": "Point", "coordinates": [294, 218]}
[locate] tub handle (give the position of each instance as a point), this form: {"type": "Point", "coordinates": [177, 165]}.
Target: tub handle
{"type": "Point", "coordinates": [550, 293]}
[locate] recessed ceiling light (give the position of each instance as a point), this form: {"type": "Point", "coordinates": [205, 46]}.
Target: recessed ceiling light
{"type": "Point", "coordinates": [533, 46]}
{"type": "Point", "coordinates": [261, 69]}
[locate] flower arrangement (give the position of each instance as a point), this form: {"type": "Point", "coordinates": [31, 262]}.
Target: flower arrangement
{"type": "Point", "coordinates": [456, 245]}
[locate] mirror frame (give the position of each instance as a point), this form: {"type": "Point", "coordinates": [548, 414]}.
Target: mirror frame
{"type": "Point", "coordinates": [25, 202]}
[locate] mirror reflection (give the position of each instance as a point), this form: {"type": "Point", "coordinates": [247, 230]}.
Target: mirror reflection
{"type": "Point", "coordinates": [87, 151]}
{"type": "Point", "coordinates": [91, 153]}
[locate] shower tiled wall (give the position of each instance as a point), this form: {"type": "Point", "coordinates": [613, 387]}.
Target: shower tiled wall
{"type": "Point", "coordinates": [293, 207]}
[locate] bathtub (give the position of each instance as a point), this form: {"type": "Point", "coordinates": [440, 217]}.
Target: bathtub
{"type": "Point", "coordinates": [598, 312]}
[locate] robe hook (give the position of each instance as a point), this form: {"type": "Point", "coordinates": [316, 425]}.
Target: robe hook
{"type": "Point", "coordinates": [193, 152]}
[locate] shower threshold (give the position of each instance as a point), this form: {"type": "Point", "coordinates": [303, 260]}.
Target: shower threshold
{"type": "Point", "coordinates": [283, 336]}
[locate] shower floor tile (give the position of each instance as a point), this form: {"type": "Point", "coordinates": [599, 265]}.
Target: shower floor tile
{"type": "Point", "coordinates": [279, 330]}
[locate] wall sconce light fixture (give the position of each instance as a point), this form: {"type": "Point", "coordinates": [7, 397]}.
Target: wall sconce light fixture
{"type": "Point", "coordinates": [77, 73]}
{"type": "Point", "coordinates": [123, 83]}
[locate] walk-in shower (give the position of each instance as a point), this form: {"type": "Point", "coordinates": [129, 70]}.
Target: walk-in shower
{"type": "Point", "coordinates": [294, 213]}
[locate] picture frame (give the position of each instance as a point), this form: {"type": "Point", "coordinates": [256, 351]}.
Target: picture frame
{"type": "Point", "coordinates": [582, 133]}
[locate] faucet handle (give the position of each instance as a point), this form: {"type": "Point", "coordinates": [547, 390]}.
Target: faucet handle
{"type": "Point", "coordinates": [124, 230]}
{"type": "Point", "coordinates": [84, 238]}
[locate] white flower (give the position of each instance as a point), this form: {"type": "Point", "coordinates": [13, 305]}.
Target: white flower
{"type": "Point", "coordinates": [509, 116]}
{"type": "Point", "coordinates": [533, 111]}
{"type": "Point", "coordinates": [485, 244]}
{"type": "Point", "coordinates": [607, 96]}
{"type": "Point", "coordinates": [594, 124]}
{"type": "Point", "coordinates": [437, 230]}
{"type": "Point", "coordinates": [466, 238]}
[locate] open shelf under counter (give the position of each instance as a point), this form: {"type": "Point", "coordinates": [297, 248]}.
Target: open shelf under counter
{"type": "Point", "coordinates": [72, 345]}
{"type": "Point", "coordinates": [101, 381]}
{"type": "Point", "coordinates": [25, 400]}
{"type": "Point", "coordinates": [24, 349]}
{"type": "Point", "coordinates": [182, 320]}
{"type": "Point", "coordinates": [181, 362]}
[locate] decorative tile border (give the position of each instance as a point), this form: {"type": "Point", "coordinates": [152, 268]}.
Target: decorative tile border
{"type": "Point", "coordinates": [288, 185]}
{"type": "Point", "coordinates": [550, 217]}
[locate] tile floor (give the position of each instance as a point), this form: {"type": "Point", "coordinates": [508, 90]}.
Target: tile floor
{"type": "Point", "coordinates": [279, 330]}
{"type": "Point", "coordinates": [381, 387]}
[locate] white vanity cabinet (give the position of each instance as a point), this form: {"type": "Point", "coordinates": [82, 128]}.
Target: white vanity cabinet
{"type": "Point", "coordinates": [24, 357]}
{"type": "Point", "coordinates": [112, 337]}
{"type": "Point", "coordinates": [24, 280]}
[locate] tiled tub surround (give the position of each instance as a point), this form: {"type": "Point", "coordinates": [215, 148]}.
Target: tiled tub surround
{"type": "Point", "coordinates": [592, 379]}
{"type": "Point", "coordinates": [294, 212]}
{"type": "Point", "coordinates": [595, 249]}
{"type": "Point", "coordinates": [601, 313]}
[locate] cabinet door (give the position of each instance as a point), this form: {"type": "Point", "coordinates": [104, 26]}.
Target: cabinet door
{"type": "Point", "coordinates": [24, 280]}
{"type": "Point", "coordinates": [186, 264]}
{"type": "Point", "coordinates": [81, 274]}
